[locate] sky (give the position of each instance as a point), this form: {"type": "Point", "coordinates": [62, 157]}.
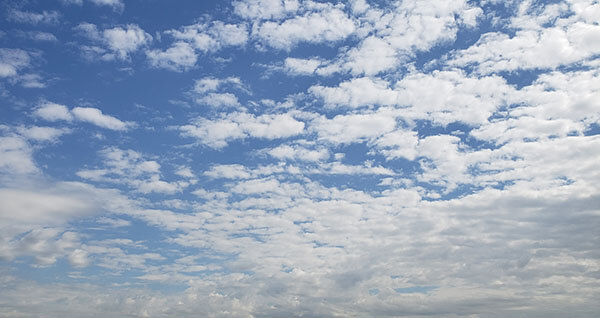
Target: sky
{"type": "Point", "coordinates": [292, 158]}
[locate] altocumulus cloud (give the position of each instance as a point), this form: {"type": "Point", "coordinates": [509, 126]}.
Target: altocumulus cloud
{"type": "Point", "coordinates": [299, 158]}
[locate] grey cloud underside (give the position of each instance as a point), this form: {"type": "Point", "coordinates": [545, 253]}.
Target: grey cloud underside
{"type": "Point", "coordinates": [497, 217]}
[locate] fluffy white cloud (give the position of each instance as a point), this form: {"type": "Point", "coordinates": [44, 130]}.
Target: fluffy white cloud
{"type": "Point", "coordinates": [118, 42]}
{"type": "Point", "coordinates": [219, 100]}
{"type": "Point", "coordinates": [185, 172]}
{"type": "Point", "coordinates": [211, 37]}
{"type": "Point", "coordinates": [328, 25]}
{"type": "Point", "coordinates": [203, 37]}
{"type": "Point", "coordinates": [373, 56]}
{"type": "Point", "coordinates": [450, 96]}
{"type": "Point", "coordinates": [297, 66]}
{"type": "Point", "coordinates": [398, 144]}
{"type": "Point", "coordinates": [96, 117]}
{"type": "Point", "coordinates": [54, 112]}
{"type": "Point", "coordinates": [265, 9]}
{"type": "Point", "coordinates": [568, 39]}
{"type": "Point", "coordinates": [353, 127]}
{"type": "Point", "coordinates": [179, 57]}
{"type": "Point", "coordinates": [131, 168]}
{"type": "Point", "coordinates": [218, 132]}
{"type": "Point", "coordinates": [126, 40]}
{"type": "Point", "coordinates": [210, 91]}
{"type": "Point", "coordinates": [356, 93]}
{"type": "Point", "coordinates": [210, 84]}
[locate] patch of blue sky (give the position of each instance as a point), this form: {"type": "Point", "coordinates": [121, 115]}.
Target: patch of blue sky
{"type": "Point", "coordinates": [373, 292]}
{"type": "Point", "coordinates": [416, 289]}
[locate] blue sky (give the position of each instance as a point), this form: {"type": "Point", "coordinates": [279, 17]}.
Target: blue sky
{"type": "Point", "coordinates": [288, 158]}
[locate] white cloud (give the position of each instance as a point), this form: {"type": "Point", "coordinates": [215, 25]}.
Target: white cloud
{"type": "Point", "coordinates": [496, 212]}
{"type": "Point", "coordinates": [526, 127]}
{"type": "Point", "coordinates": [234, 171]}
{"type": "Point", "coordinates": [89, 30]}
{"type": "Point", "coordinates": [450, 96]}
{"type": "Point", "coordinates": [373, 56]}
{"type": "Point", "coordinates": [185, 172]}
{"type": "Point", "coordinates": [16, 155]}
{"type": "Point", "coordinates": [213, 133]}
{"type": "Point", "coordinates": [328, 25]}
{"type": "Point", "coordinates": [219, 100]}
{"type": "Point", "coordinates": [118, 42]}
{"type": "Point", "coordinates": [79, 258]}
{"type": "Point", "coordinates": [53, 112]}
{"type": "Point", "coordinates": [398, 144]}
{"type": "Point", "coordinates": [217, 133]}
{"type": "Point", "coordinates": [203, 37]}
{"type": "Point", "coordinates": [210, 91]}
{"type": "Point", "coordinates": [396, 34]}
{"type": "Point", "coordinates": [211, 37]}
{"type": "Point", "coordinates": [124, 41]}
{"type": "Point", "coordinates": [38, 133]}
{"type": "Point", "coordinates": [31, 81]}
{"type": "Point", "coordinates": [33, 222]}
{"type": "Point", "coordinates": [29, 207]}
{"type": "Point", "coordinates": [115, 4]}
{"type": "Point", "coordinates": [295, 152]}
{"type": "Point", "coordinates": [131, 168]}
{"type": "Point", "coordinates": [12, 60]}
{"type": "Point", "coordinates": [353, 127]}
{"type": "Point", "coordinates": [356, 93]}
{"type": "Point", "coordinates": [270, 126]}
{"type": "Point", "coordinates": [418, 26]}
{"type": "Point", "coordinates": [210, 84]}
{"type": "Point", "coordinates": [558, 95]}
{"type": "Point", "coordinates": [179, 57]}
{"type": "Point", "coordinates": [265, 9]}
{"type": "Point", "coordinates": [297, 66]}
{"type": "Point", "coordinates": [339, 168]}
{"type": "Point", "coordinates": [45, 17]}
{"type": "Point", "coordinates": [536, 45]}
{"type": "Point", "coordinates": [155, 185]}
{"type": "Point", "coordinates": [96, 117]}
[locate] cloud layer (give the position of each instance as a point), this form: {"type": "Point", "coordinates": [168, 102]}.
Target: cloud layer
{"type": "Point", "coordinates": [288, 158]}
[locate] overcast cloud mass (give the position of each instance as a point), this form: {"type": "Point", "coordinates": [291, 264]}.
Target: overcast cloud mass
{"type": "Point", "coordinates": [291, 158]}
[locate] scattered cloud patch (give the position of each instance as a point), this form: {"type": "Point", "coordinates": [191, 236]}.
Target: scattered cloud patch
{"type": "Point", "coordinates": [54, 112]}
{"type": "Point", "coordinates": [116, 43]}
{"type": "Point", "coordinates": [218, 132]}
{"type": "Point", "coordinates": [44, 17]}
